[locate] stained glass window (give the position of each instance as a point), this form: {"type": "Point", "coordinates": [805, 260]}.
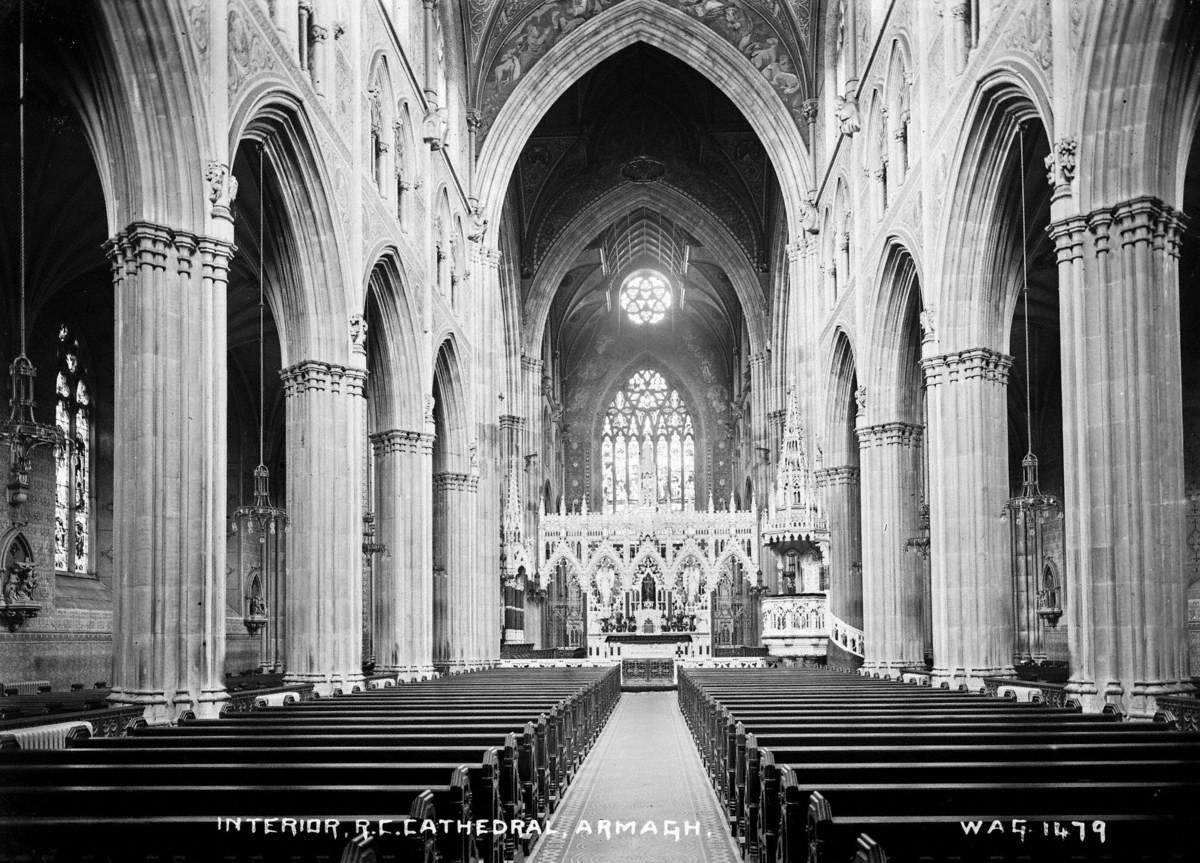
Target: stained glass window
{"type": "Point", "coordinates": [72, 462]}
{"type": "Point", "coordinates": [648, 446]}
{"type": "Point", "coordinates": [645, 297]}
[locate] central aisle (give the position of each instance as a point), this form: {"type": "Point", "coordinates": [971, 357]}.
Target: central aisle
{"type": "Point", "coordinates": [644, 769]}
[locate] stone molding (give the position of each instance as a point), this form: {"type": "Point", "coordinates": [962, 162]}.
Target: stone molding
{"type": "Point", "coordinates": [972, 364]}
{"type": "Point", "coordinates": [314, 375]}
{"type": "Point", "coordinates": [889, 434]}
{"type": "Point", "coordinates": [832, 477]}
{"type": "Point", "coordinates": [452, 481]}
{"type": "Point", "coordinates": [401, 441]}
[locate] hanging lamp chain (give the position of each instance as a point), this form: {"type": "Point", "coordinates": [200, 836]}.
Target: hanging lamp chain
{"type": "Point", "coordinates": [21, 165]}
{"type": "Point", "coordinates": [1029, 464]}
{"type": "Point", "coordinates": [261, 374]}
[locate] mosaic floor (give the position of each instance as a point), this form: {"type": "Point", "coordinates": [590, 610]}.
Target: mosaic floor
{"type": "Point", "coordinates": [644, 771]}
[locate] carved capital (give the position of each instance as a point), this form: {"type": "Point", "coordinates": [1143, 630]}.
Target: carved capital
{"type": "Point", "coordinates": [971, 365]}
{"type": "Point", "coordinates": [401, 441]}
{"type": "Point", "coordinates": [1068, 235]}
{"type": "Point", "coordinates": [833, 477]}
{"type": "Point", "coordinates": [309, 376]}
{"type": "Point", "coordinates": [890, 434]}
{"type": "Point", "coordinates": [452, 481]}
{"type": "Point", "coordinates": [808, 110]}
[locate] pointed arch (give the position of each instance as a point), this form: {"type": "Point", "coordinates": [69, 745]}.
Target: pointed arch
{"type": "Point", "coordinates": [310, 308]}
{"type": "Point", "coordinates": [394, 356]}
{"type": "Point", "coordinates": [840, 406]}
{"type": "Point", "coordinates": [669, 30]}
{"type": "Point", "coordinates": [974, 305]}
{"type": "Point", "coordinates": [450, 449]}
{"type": "Point", "coordinates": [590, 221]}
{"type": "Point", "coordinates": [894, 337]}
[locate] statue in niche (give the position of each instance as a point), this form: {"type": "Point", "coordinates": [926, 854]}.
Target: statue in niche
{"type": "Point", "coordinates": [222, 186]}
{"type": "Point", "coordinates": [691, 580]}
{"type": "Point", "coordinates": [20, 581]}
{"type": "Point", "coordinates": [860, 399]}
{"type": "Point", "coordinates": [847, 116]}
{"type": "Point", "coordinates": [809, 217]}
{"type": "Point", "coordinates": [358, 333]}
{"type": "Point", "coordinates": [606, 575]}
{"type": "Point", "coordinates": [927, 324]}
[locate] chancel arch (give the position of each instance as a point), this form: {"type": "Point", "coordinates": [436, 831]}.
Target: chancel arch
{"type": "Point", "coordinates": [605, 34]}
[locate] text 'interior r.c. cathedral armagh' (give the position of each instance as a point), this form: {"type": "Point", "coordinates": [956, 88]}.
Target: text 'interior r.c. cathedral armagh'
{"type": "Point", "coordinates": [362, 344]}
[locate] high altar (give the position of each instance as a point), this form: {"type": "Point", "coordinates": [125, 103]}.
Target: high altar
{"type": "Point", "coordinates": [656, 584]}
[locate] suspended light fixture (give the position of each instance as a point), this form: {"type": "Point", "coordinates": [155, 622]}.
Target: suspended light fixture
{"type": "Point", "coordinates": [1037, 592]}
{"type": "Point", "coordinates": [261, 519]}
{"type": "Point", "coordinates": [22, 432]}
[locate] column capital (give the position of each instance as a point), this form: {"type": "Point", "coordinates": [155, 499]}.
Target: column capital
{"type": "Point", "coordinates": [454, 481]}
{"type": "Point", "coordinates": [832, 477]}
{"type": "Point", "coordinates": [312, 375]}
{"type": "Point", "coordinates": [1068, 235]}
{"type": "Point", "coordinates": [488, 256]}
{"type": "Point", "coordinates": [532, 364]}
{"type": "Point", "coordinates": [890, 434]}
{"type": "Point", "coordinates": [971, 364]}
{"type": "Point", "coordinates": [401, 441]}
{"type": "Point", "coordinates": [511, 422]}
{"type": "Point", "coordinates": [141, 244]}
{"type": "Point", "coordinates": [759, 360]}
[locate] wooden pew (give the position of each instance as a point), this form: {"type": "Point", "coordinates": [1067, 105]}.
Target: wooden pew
{"type": "Point", "coordinates": [292, 766]}
{"type": "Point", "coordinates": [1141, 820]}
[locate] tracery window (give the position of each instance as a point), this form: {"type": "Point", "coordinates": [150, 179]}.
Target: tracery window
{"type": "Point", "coordinates": [645, 297]}
{"type": "Point", "coordinates": [72, 462]}
{"type": "Point", "coordinates": [648, 446]}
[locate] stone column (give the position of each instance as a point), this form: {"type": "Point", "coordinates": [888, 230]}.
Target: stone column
{"type": "Point", "coordinates": [761, 467]}
{"type": "Point", "coordinates": [403, 612]}
{"type": "Point", "coordinates": [454, 494]}
{"type": "Point", "coordinates": [169, 471]}
{"type": "Point", "coordinates": [1125, 599]}
{"type": "Point", "coordinates": [968, 484]}
{"type": "Point", "coordinates": [893, 597]}
{"type": "Point", "coordinates": [316, 60]}
{"type": "Point", "coordinates": [512, 432]}
{"type": "Point", "coordinates": [959, 36]}
{"type": "Point", "coordinates": [432, 96]}
{"type": "Point", "coordinates": [325, 416]}
{"type": "Point", "coordinates": [844, 513]}
{"type": "Point", "coordinates": [304, 16]}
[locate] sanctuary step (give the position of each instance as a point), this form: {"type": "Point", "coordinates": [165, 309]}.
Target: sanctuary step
{"type": "Point", "coordinates": [827, 767]}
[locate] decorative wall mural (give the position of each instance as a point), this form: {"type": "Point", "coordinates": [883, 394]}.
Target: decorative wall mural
{"type": "Point", "coordinates": [764, 31]}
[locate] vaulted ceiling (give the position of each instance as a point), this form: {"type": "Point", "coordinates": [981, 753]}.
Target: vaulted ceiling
{"type": "Point", "coordinates": [643, 153]}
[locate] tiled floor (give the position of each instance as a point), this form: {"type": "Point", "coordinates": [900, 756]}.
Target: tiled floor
{"type": "Point", "coordinates": [644, 769]}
